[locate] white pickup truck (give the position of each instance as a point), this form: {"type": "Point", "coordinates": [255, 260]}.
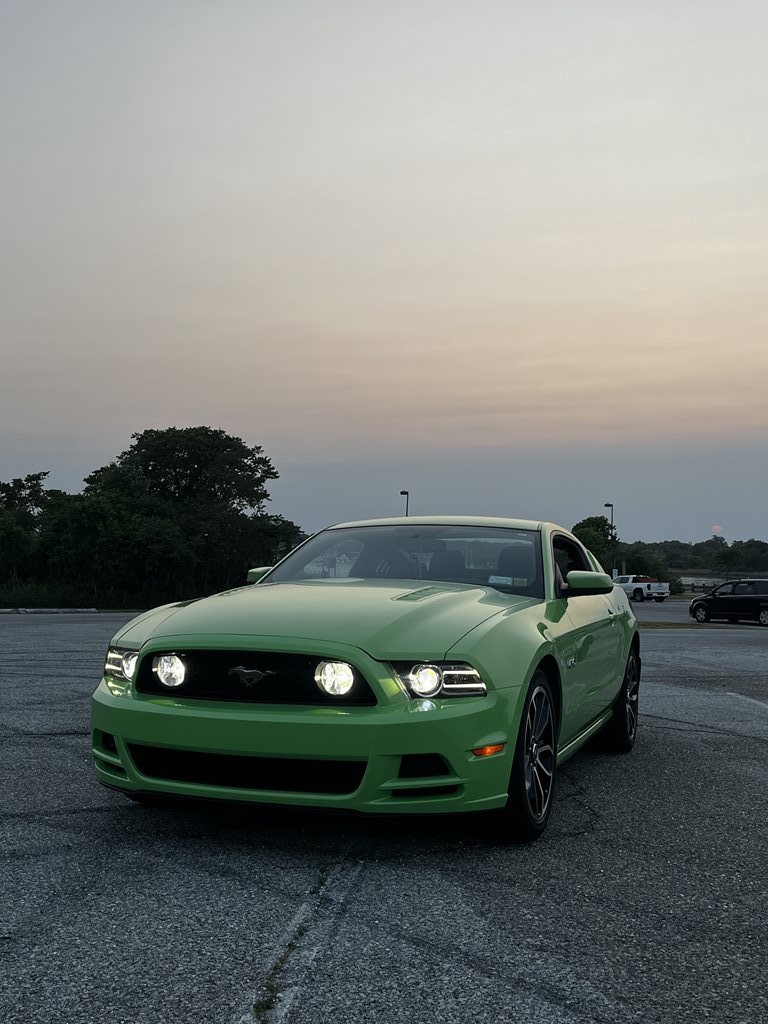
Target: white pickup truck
{"type": "Point", "coordinates": [643, 588]}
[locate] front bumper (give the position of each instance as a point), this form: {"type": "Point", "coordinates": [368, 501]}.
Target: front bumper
{"type": "Point", "coordinates": [191, 735]}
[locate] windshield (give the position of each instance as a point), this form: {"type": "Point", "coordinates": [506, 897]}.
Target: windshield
{"type": "Point", "coordinates": [505, 559]}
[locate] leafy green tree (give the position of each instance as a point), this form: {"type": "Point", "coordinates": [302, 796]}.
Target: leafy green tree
{"type": "Point", "coordinates": [707, 552]}
{"type": "Point", "coordinates": [24, 497]}
{"type": "Point", "coordinates": [642, 562]}
{"type": "Point", "coordinates": [194, 499]}
{"type": "Point", "coordinates": [115, 550]}
{"type": "Point", "coordinates": [17, 547]}
{"type": "Point", "coordinates": [727, 559]}
{"type": "Point", "coordinates": [190, 465]}
{"type": "Point", "coordinates": [752, 554]}
{"type": "Point", "coordinates": [595, 533]}
{"type": "Point", "coordinates": [22, 503]}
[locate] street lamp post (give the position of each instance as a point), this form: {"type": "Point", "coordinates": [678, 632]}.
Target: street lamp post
{"type": "Point", "coordinates": [609, 504]}
{"type": "Point", "coordinates": [407, 495]}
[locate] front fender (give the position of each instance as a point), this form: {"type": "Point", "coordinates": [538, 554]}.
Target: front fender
{"type": "Point", "coordinates": [507, 649]}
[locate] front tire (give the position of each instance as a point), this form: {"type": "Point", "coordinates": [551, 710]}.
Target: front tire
{"type": "Point", "coordinates": [532, 779]}
{"type": "Point", "coordinates": [619, 734]}
{"type": "Point", "coordinates": [638, 595]}
{"type": "Point", "coordinates": [762, 618]}
{"type": "Point", "coordinates": [700, 613]}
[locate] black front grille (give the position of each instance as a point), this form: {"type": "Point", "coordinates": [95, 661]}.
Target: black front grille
{"type": "Point", "coordinates": [255, 677]}
{"type": "Point", "coordinates": [235, 771]}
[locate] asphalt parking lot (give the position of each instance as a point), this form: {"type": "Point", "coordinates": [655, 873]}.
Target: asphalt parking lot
{"type": "Point", "coordinates": [645, 901]}
{"type": "Point", "coordinates": [675, 610]}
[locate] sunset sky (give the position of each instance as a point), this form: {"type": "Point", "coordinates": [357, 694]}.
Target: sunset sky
{"type": "Point", "coordinates": [512, 256]}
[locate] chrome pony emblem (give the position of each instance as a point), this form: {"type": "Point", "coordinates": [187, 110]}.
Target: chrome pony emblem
{"type": "Point", "coordinates": [249, 676]}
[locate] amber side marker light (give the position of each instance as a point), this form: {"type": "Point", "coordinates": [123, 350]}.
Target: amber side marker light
{"type": "Point", "coordinates": [493, 748]}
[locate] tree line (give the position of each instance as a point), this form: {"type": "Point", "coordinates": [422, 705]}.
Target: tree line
{"type": "Point", "coordinates": [179, 514]}
{"type": "Point", "coordinates": [669, 559]}
{"type": "Point", "coordinates": [182, 513]}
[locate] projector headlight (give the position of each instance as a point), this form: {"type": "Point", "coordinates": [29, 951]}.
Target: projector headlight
{"type": "Point", "coordinates": [440, 679]}
{"type": "Point", "coordinates": [335, 677]}
{"type": "Point", "coordinates": [129, 660]}
{"type": "Point", "coordinates": [170, 670]}
{"type": "Point", "coordinates": [425, 680]}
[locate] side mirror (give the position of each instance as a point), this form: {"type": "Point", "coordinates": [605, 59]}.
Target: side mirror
{"type": "Point", "coordinates": [254, 575]}
{"type": "Point", "coordinates": [581, 583]}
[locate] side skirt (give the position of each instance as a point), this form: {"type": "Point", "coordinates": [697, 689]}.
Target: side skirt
{"type": "Point", "coordinates": [563, 753]}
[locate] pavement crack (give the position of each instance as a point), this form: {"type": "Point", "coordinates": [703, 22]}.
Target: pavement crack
{"type": "Point", "coordinates": [699, 727]}
{"type": "Point", "coordinates": [305, 936]}
{"type": "Point", "coordinates": [556, 991]}
{"type": "Point", "coordinates": [579, 797]}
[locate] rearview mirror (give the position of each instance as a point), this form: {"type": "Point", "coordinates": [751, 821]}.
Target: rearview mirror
{"type": "Point", "coordinates": [581, 583]}
{"type": "Point", "coordinates": [254, 575]}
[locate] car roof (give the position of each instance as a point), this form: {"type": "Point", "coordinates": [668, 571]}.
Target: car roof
{"type": "Point", "coordinates": [742, 579]}
{"type": "Point", "coordinates": [509, 524]}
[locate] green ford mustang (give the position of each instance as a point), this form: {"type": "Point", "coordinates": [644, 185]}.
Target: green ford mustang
{"type": "Point", "coordinates": [406, 666]}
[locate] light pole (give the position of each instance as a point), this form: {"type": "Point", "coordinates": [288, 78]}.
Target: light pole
{"type": "Point", "coordinates": [609, 504]}
{"type": "Point", "coordinates": [407, 495]}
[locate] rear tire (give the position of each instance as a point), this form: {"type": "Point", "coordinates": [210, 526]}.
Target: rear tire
{"type": "Point", "coordinates": [619, 734]}
{"type": "Point", "coordinates": [532, 779]}
{"type": "Point", "coordinates": [659, 599]}
{"type": "Point", "coordinates": [762, 618]}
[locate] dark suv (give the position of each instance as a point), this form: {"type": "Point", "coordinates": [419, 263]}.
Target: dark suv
{"type": "Point", "coordinates": [741, 599]}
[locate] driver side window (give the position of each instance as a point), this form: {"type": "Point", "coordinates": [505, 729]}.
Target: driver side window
{"type": "Point", "coordinates": [567, 556]}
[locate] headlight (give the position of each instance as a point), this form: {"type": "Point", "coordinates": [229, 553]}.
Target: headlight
{"type": "Point", "coordinates": [170, 670]}
{"type": "Point", "coordinates": [335, 677]}
{"type": "Point", "coordinates": [425, 680]}
{"type": "Point", "coordinates": [129, 663]}
{"type": "Point", "coordinates": [440, 679]}
{"type": "Point", "coordinates": [120, 664]}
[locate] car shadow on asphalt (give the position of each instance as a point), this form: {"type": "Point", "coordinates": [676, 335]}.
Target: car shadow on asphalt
{"type": "Point", "coordinates": [268, 827]}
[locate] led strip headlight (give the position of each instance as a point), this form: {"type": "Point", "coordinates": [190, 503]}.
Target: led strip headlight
{"type": "Point", "coordinates": [120, 664]}
{"type": "Point", "coordinates": [440, 679]}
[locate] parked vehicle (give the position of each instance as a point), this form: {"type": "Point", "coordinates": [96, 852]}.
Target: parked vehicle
{"type": "Point", "coordinates": [404, 666]}
{"type": "Point", "coordinates": [739, 599]}
{"type": "Point", "coordinates": [643, 588]}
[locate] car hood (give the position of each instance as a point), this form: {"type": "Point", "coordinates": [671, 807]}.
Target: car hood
{"type": "Point", "coordinates": [387, 619]}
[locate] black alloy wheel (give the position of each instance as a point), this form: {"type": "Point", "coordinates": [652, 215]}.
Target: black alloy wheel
{"type": "Point", "coordinates": [639, 596]}
{"type": "Point", "coordinates": [700, 613]}
{"type": "Point", "coordinates": [620, 732]}
{"type": "Point", "coordinates": [532, 780]}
